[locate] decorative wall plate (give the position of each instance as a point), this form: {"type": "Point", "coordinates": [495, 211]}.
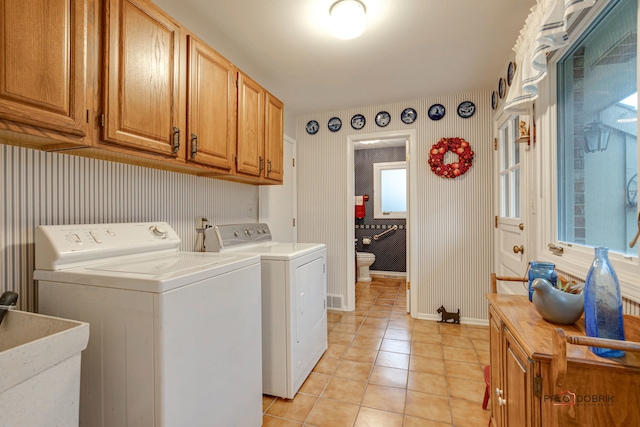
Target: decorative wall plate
{"type": "Point", "coordinates": [466, 109]}
{"type": "Point", "coordinates": [436, 111]}
{"type": "Point", "coordinates": [494, 100]}
{"type": "Point", "coordinates": [358, 121]}
{"type": "Point", "coordinates": [334, 124]}
{"type": "Point", "coordinates": [312, 127]}
{"type": "Point", "coordinates": [408, 116]}
{"type": "Point", "coordinates": [501, 87]}
{"type": "Point", "coordinates": [511, 70]}
{"type": "Point", "coordinates": [383, 118]}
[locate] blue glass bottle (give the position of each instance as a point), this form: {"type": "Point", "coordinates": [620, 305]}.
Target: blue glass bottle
{"type": "Point", "coordinates": [545, 270]}
{"type": "Point", "coordinates": [603, 304]}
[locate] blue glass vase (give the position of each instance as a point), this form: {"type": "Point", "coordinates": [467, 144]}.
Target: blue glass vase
{"type": "Point", "coordinates": [545, 270]}
{"type": "Point", "coordinates": [603, 304]}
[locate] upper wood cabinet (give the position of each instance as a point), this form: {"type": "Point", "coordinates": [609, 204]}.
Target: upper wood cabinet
{"type": "Point", "coordinates": [260, 132]}
{"type": "Point", "coordinates": [141, 85]}
{"type": "Point", "coordinates": [211, 114]}
{"type": "Point", "coordinates": [43, 56]}
{"type": "Point", "coordinates": [274, 134]}
{"type": "Point", "coordinates": [250, 144]}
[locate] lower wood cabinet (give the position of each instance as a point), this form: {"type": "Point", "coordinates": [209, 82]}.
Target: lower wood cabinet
{"type": "Point", "coordinates": [596, 391]}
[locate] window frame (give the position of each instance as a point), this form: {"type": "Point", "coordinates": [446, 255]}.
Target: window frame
{"type": "Point", "coordinates": [575, 259]}
{"type": "Point", "coordinates": [377, 190]}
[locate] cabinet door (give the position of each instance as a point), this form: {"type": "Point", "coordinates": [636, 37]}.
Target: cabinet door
{"type": "Point", "coordinates": [274, 138]}
{"type": "Point", "coordinates": [211, 116]}
{"type": "Point", "coordinates": [43, 81]}
{"type": "Point", "coordinates": [496, 388]}
{"type": "Point", "coordinates": [141, 85]}
{"type": "Point", "coordinates": [250, 127]}
{"type": "Point", "coordinates": [516, 383]}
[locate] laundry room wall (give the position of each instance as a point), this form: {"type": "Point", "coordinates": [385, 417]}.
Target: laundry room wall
{"type": "Point", "coordinates": [41, 188]}
{"type": "Point", "coordinates": [452, 234]}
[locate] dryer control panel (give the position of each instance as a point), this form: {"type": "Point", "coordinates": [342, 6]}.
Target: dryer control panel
{"type": "Point", "coordinates": [220, 237]}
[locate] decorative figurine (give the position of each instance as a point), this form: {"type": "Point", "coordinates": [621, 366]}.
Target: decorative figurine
{"type": "Point", "coordinates": [455, 317]}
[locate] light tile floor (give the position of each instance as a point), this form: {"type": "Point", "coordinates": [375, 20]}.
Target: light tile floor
{"type": "Point", "coordinates": [385, 369]}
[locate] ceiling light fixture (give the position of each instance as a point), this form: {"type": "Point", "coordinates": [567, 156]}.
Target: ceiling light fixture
{"type": "Point", "coordinates": [348, 19]}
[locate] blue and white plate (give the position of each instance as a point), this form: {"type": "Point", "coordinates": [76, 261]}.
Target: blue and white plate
{"type": "Point", "coordinates": [358, 121]}
{"type": "Point", "coordinates": [436, 111]}
{"type": "Point", "coordinates": [466, 109]}
{"type": "Point", "coordinates": [511, 70]}
{"type": "Point", "coordinates": [494, 100]}
{"type": "Point", "coordinates": [383, 118]}
{"type": "Point", "coordinates": [408, 116]}
{"type": "Point", "coordinates": [334, 124]}
{"type": "Point", "coordinates": [312, 127]}
{"type": "Point", "coordinates": [501, 87]}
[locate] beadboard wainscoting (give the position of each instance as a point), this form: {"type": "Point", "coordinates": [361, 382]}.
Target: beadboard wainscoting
{"type": "Point", "coordinates": [451, 248]}
{"type": "Point", "coordinates": [40, 188]}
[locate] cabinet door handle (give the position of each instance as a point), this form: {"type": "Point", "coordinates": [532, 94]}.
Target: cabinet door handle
{"type": "Point", "coordinates": [268, 167]}
{"type": "Point", "coordinates": [502, 401]}
{"type": "Point", "coordinates": [261, 166]}
{"type": "Point", "coordinates": [176, 139]}
{"type": "Point", "coordinates": [518, 249]}
{"type": "Point", "coordinates": [194, 145]}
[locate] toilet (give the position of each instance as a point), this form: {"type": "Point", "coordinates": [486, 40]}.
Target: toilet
{"type": "Point", "coordinates": [363, 261]}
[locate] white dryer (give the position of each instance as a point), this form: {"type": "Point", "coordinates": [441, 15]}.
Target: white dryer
{"type": "Point", "coordinates": [294, 310]}
{"type": "Point", "coordinates": [175, 337]}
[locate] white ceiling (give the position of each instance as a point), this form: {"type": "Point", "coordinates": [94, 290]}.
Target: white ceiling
{"type": "Point", "coordinates": [412, 49]}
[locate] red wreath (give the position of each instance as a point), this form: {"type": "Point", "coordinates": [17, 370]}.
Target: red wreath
{"type": "Point", "coordinates": [451, 170]}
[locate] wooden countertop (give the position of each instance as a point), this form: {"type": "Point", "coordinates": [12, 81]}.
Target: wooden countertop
{"type": "Point", "coordinates": [535, 334]}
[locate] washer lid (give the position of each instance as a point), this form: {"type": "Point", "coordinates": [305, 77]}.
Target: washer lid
{"type": "Point", "coordinates": [171, 264]}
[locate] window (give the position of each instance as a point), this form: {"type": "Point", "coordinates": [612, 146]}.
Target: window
{"type": "Point", "coordinates": [597, 134]}
{"type": "Point", "coordinates": [390, 190]}
{"type": "Point", "coordinates": [510, 169]}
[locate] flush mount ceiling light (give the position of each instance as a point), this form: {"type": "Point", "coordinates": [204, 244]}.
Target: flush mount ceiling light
{"type": "Point", "coordinates": [348, 19]}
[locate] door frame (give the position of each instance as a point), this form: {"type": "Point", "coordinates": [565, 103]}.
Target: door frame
{"type": "Point", "coordinates": [410, 147]}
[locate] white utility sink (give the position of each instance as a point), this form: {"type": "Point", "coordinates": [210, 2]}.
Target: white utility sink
{"type": "Point", "coordinates": [40, 369]}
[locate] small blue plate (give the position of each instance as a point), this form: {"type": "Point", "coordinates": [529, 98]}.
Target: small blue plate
{"type": "Point", "coordinates": [334, 124]}
{"type": "Point", "coordinates": [501, 87]}
{"type": "Point", "coordinates": [511, 70]}
{"type": "Point", "coordinates": [312, 127]}
{"type": "Point", "coordinates": [408, 116]}
{"type": "Point", "coordinates": [383, 118]}
{"type": "Point", "coordinates": [494, 100]}
{"type": "Point", "coordinates": [358, 121]}
{"type": "Point", "coordinates": [466, 109]}
{"type": "Point", "coordinates": [436, 111]}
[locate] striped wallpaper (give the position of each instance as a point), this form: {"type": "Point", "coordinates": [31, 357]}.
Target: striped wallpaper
{"type": "Point", "coordinates": [451, 256]}
{"type": "Point", "coordinates": [49, 188]}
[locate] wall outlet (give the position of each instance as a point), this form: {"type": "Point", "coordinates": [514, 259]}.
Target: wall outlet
{"type": "Point", "coordinates": [249, 211]}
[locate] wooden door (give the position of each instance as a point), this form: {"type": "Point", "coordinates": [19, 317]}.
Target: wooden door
{"type": "Point", "coordinates": [141, 85]}
{"type": "Point", "coordinates": [516, 384]}
{"type": "Point", "coordinates": [251, 114]}
{"type": "Point", "coordinates": [274, 138]}
{"type": "Point", "coordinates": [511, 229]}
{"type": "Point", "coordinates": [43, 60]}
{"type": "Point", "coordinates": [211, 115]}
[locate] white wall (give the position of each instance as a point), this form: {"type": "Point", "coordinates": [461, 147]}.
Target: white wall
{"type": "Point", "coordinates": [47, 188]}
{"type": "Point", "coordinates": [453, 228]}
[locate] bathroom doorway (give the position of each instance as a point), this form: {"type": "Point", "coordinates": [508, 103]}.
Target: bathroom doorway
{"type": "Point", "coordinates": [378, 227]}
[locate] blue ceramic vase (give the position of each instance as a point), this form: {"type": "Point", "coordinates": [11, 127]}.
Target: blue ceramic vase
{"type": "Point", "coordinates": [542, 270]}
{"type": "Point", "coordinates": [603, 304]}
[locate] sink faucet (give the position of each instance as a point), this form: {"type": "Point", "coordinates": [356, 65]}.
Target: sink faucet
{"type": "Point", "coordinates": [7, 302]}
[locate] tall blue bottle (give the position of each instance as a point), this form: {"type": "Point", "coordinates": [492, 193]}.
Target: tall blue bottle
{"type": "Point", "coordinates": [603, 304]}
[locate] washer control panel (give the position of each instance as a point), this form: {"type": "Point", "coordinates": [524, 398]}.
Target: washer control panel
{"type": "Point", "coordinates": [60, 245]}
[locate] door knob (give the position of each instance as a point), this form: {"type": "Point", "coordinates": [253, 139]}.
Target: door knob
{"type": "Point", "coordinates": [518, 249]}
{"type": "Point", "coordinates": [521, 226]}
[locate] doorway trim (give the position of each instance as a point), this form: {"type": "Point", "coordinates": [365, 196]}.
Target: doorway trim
{"type": "Point", "coordinates": [410, 135]}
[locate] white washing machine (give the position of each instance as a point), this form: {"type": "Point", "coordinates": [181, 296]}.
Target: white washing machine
{"type": "Point", "coordinates": [175, 337]}
{"type": "Point", "coordinates": [294, 309]}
